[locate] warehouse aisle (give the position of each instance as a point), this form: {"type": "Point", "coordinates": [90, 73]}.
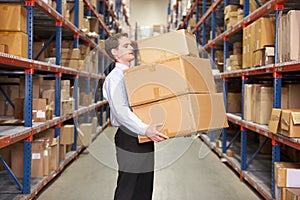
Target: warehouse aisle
{"type": "Point", "coordinates": [186, 169]}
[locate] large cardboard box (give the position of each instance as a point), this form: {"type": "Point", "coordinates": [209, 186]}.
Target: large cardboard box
{"type": "Point", "coordinates": [264, 104]}
{"type": "Point", "coordinates": [67, 134]}
{"type": "Point", "coordinates": [38, 109]}
{"type": "Point", "coordinates": [290, 122]}
{"type": "Point", "coordinates": [287, 174]}
{"type": "Point", "coordinates": [185, 114]}
{"type": "Point", "coordinates": [14, 17]}
{"type": "Point", "coordinates": [167, 46]}
{"type": "Point", "coordinates": [17, 43]}
{"type": "Point", "coordinates": [264, 33]}
{"type": "Point", "coordinates": [293, 194]}
{"type": "Point", "coordinates": [294, 96]}
{"type": "Point", "coordinates": [185, 74]}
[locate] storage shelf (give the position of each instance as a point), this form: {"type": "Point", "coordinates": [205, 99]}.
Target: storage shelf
{"type": "Point", "coordinates": [263, 10]}
{"type": "Point", "coordinates": [14, 134]}
{"type": "Point", "coordinates": [66, 23]}
{"type": "Point", "coordinates": [253, 178]}
{"type": "Point", "coordinates": [24, 63]}
{"type": "Point", "coordinates": [264, 130]}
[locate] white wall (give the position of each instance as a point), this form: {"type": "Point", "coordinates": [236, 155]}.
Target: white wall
{"type": "Point", "coordinates": [148, 12]}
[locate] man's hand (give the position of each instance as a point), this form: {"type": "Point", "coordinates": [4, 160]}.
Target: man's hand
{"type": "Point", "coordinates": [154, 135]}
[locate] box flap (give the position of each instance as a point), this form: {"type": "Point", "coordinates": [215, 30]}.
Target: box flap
{"type": "Point", "coordinates": [285, 120]}
{"type": "Point", "coordinates": [295, 117]}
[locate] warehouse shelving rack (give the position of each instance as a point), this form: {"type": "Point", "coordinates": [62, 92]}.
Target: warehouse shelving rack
{"type": "Point", "coordinates": [274, 71]}
{"type": "Point", "coordinates": [30, 187]}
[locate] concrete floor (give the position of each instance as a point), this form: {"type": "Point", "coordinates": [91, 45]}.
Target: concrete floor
{"type": "Point", "coordinates": [185, 169]}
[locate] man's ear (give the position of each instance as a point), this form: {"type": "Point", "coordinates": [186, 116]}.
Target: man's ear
{"type": "Point", "coordinates": [114, 52]}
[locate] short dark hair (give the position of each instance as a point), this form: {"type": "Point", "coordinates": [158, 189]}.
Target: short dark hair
{"type": "Point", "coordinates": [112, 43]}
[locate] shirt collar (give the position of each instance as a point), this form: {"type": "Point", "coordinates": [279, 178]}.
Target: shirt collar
{"type": "Point", "coordinates": [121, 66]}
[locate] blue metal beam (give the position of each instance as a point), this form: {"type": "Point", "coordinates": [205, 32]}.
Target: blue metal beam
{"type": "Point", "coordinates": [7, 98]}
{"type": "Point", "coordinates": [45, 46]}
{"type": "Point", "coordinates": [256, 152]}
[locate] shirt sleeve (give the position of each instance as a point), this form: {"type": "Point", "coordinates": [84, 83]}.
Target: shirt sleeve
{"type": "Point", "coordinates": [114, 92]}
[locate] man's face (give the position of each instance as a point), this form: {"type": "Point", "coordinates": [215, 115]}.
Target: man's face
{"type": "Point", "coordinates": [124, 52]}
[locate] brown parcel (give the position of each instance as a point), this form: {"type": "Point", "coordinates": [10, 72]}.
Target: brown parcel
{"type": "Point", "coordinates": [293, 194]}
{"type": "Point", "coordinates": [167, 46]}
{"type": "Point", "coordinates": [290, 122]}
{"type": "Point", "coordinates": [185, 114]}
{"type": "Point", "coordinates": [286, 174]}
{"type": "Point", "coordinates": [185, 74]}
{"type": "Point", "coordinates": [14, 17]}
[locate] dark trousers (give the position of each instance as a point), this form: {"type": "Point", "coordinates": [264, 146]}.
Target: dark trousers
{"type": "Point", "coordinates": [136, 167]}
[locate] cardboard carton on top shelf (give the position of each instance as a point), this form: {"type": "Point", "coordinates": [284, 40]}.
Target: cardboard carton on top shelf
{"type": "Point", "coordinates": [185, 114]}
{"type": "Point", "coordinates": [287, 174]}
{"type": "Point", "coordinates": [264, 34]}
{"type": "Point", "coordinates": [14, 17]}
{"type": "Point", "coordinates": [167, 46]}
{"type": "Point", "coordinates": [185, 74]}
{"type": "Point", "coordinates": [17, 43]}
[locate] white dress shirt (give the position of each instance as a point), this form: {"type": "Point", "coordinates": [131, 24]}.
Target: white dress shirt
{"type": "Point", "coordinates": [114, 91]}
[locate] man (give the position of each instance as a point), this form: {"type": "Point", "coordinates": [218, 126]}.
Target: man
{"type": "Point", "coordinates": [135, 160]}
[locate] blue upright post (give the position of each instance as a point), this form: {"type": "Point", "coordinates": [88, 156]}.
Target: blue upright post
{"type": "Point", "coordinates": [28, 101]}
{"type": "Point", "coordinates": [243, 131]}
{"type": "Point", "coordinates": [213, 36]}
{"type": "Point", "coordinates": [103, 13]}
{"type": "Point", "coordinates": [277, 96]}
{"type": "Point", "coordinates": [246, 7]}
{"type": "Point", "coordinates": [76, 23]}
{"type": "Point", "coordinates": [203, 27]}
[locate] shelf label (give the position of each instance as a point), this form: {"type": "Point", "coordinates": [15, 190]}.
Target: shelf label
{"type": "Point", "coordinates": [36, 156]}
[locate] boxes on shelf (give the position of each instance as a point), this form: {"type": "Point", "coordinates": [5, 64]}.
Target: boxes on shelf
{"type": "Point", "coordinates": [186, 74]}
{"type": "Point", "coordinates": [36, 82]}
{"type": "Point", "coordinates": [159, 48]}
{"type": "Point", "coordinates": [274, 125]}
{"type": "Point", "coordinates": [68, 53]}
{"type": "Point", "coordinates": [38, 109]}
{"type": "Point", "coordinates": [67, 134]}
{"type": "Point", "coordinates": [39, 157]}
{"type": "Point", "coordinates": [184, 114]}
{"type": "Point", "coordinates": [264, 33]}
{"type": "Point", "coordinates": [55, 158]}
{"type": "Point", "coordinates": [263, 104]}
{"type": "Point", "coordinates": [292, 194]}
{"type": "Point", "coordinates": [16, 42]}
{"type": "Point", "coordinates": [67, 106]}
{"type": "Point", "coordinates": [286, 174]}
{"type": "Point", "coordinates": [262, 57]}
{"type": "Point", "coordinates": [288, 36]}
{"type": "Point", "coordinates": [14, 17]}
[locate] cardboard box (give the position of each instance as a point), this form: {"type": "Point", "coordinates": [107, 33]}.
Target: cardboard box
{"type": "Point", "coordinates": [185, 74]}
{"type": "Point", "coordinates": [264, 104]}
{"type": "Point", "coordinates": [287, 174]}
{"type": "Point", "coordinates": [5, 154]}
{"type": "Point", "coordinates": [262, 57]}
{"type": "Point", "coordinates": [72, 63]}
{"type": "Point", "coordinates": [67, 106]}
{"type": "Point", "coordinates": [14, 17]}
{"type": "Point", "coordinates": [35, 87]}
{"type": "Point", "coordinates": [17, 43]}
{"type": "Point", "coordinates": [167, 46]}
{"type": "Point", "coordinates": [67, 134]}
{"type": "Point", "coordinates": [38, 109]}
{"type": "Point", "coordinates": [84, 134]}
{"type": "Point", "coordinates": [264, 33]}
{"type": "Point", "coordinates": [275, 119]}
{"type": "Point", "coordinates": [290, 122]}
{"type": "Point", "coordinates": [294, 96]}
{"type": "Point", "coordinates": [17, 159]}
{"type": "Point", "coordinates": [234, 102]}
{"type": "Point", "coordinates": [54, 161]}
{"type": "Point", "coordinates": [68, 53]}
{"type": "Point", "coordinates": [293, 194]}
{"type": "Point", "coordinates": [185, 114]}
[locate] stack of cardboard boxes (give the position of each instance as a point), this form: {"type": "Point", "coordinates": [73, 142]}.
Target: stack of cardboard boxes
{"type": "Point", "coordinates": [174, 88]}
{"type": "Point", "coordinates": [258, 43]}
{"type": "Point", "coordinates": [13, 32]}
{"type": "Point", "coordinates": [287, 180]}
